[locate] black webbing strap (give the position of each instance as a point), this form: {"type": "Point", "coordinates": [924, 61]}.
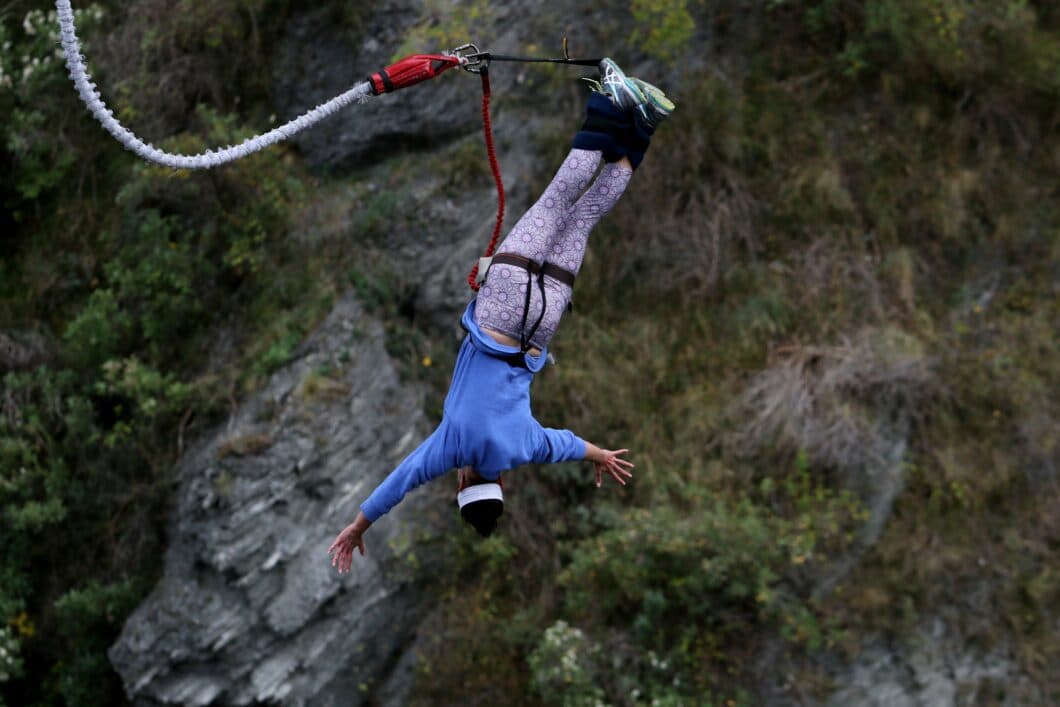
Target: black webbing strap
{"type": "Point", "coordinates": [533, 269]}
{"type": "Point", "coordinates": [488, 56]}
{"type": "Point", "coordinates": [550, 269]}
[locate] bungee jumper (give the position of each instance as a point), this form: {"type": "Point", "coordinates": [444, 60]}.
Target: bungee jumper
{"type": "Point", "coordinates": [524, 286]}
{"type": "Point", "coordinates": [487, 426]}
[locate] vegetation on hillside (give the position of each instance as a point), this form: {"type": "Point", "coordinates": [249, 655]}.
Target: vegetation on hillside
{"type": "Point", "coordinates": [840, 257]}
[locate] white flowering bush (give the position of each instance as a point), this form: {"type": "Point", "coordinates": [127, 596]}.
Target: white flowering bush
{"type": "Point", "coordinates": [33, 55]}
{"type": "Point", "coordinates": [560, 666]}
{"type": "Point", "coordinates": [10, 660]}
{"type": "Point", "coordinates": [32, 92]}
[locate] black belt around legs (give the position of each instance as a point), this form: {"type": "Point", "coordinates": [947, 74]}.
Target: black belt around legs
{"type": "Point", "coordinates": [532, 268]}
{"type": "Point", "coordinates": [553, 271]}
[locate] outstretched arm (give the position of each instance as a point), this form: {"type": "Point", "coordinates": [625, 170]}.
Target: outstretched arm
{"type": "Point", "coordinates": [341, 550]}
{"type": "Point", "coordinates": [563, 445]}
{"type": "Point", "coordinates": [610, 462]}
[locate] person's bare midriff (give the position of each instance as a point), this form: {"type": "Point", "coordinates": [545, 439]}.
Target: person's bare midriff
{"type": "Point", "coordinates": [509, 341]}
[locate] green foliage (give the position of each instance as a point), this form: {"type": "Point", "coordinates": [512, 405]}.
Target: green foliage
{"type": "Point", "coordinates": [10, 661]}
{"type": "Point", "coordinates": [132, 296]}
{"type": "Point", "coordinates": [150, 294]}
{"type": "Point", "coordinates": [89, 619]}
{"type": "Point", "coordinates": [32, 68]}
{"type": "Point", "coordinates": [959, 41]}
{"type": "Point", "coordinates": [279, 352]}
{"type": "Point", "coordinates": [700, 581]}
{"type": "Point", "coordinates": [558, 669]}
{"type": "Point", "coordinates": [663, 29]}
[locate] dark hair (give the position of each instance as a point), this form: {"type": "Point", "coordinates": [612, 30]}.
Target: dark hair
{"type": "Point", "coordinates": [483, 515]}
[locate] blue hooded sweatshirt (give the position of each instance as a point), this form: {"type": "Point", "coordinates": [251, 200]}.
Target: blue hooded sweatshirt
{"type": "Point", "coordinates": [486, 422]}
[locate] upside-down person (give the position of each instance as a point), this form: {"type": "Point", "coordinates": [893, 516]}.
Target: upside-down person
{"type": "Point", "coordinates": [487, 427]}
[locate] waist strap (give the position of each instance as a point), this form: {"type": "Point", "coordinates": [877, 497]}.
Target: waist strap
{"type": "Point", "coordinates": [550, 269]}
{"type": "Point", "coordinates": [532, 268]}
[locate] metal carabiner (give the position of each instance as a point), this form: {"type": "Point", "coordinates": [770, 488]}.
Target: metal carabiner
{"type": "Point", "coordinates": [471, 59]}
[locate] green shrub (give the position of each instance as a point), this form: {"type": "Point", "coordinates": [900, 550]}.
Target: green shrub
{"type": "Point", "coordinates": [10, 660]}
{"type": "Point", "coordinates": [558, 668]}
{"type": "Point", "coordinates": [664, 29]}
{"type": "Point", "coordinates": [691, 582]}
{"type": "Point", "coordinates": [32, 73]}
{"type": "Point", "coordinates": [89, 619]}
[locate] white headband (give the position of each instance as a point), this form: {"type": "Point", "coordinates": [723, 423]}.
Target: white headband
{"type": "Point", "coordinates": [480, 492]}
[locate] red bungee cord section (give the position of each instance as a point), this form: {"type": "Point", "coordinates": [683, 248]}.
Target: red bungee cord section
{"type": "Point", "coordinates": [487, 128]}
{"type": "Point", "coordinates": [410, 71]}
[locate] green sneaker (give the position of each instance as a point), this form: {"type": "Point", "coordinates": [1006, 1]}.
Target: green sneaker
{"type": "Point", "coordinates": [657, 105]}
{"type": "Point", "coordinates": [620, 88]}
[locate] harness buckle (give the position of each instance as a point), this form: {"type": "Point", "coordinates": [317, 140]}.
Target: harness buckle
{"type": "Point", "coordinates": [483, 269]}
{"type": "Point", "coordinates": [471, 59]}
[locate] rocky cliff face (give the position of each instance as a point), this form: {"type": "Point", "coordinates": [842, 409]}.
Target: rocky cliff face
{"type": "Point", "coordinates": [249, 610]}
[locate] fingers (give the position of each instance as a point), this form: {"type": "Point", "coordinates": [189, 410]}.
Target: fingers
{"type": "Point", "coordinates": [619, 469]}
{"type": "Point", "coordinates": [341, 552]}
{"type": "Point", "coordinates": [599, 475]}
{"type": "Point", "coordinates": [347, 560]}
{"type": "Point", "coordinates": [337, 558]}
{"type": "Point", "coordinates": [339, 540]}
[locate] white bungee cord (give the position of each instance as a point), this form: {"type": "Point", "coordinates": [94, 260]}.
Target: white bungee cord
{"type": "Point", "coordinates": [75, 62]}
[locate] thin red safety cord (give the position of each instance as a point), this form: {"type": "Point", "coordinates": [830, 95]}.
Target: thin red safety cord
{"type": "Point", "coordinates": [487, 128]}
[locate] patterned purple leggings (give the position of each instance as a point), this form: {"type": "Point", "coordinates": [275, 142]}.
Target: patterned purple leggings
{"type": "Point", "coordinates": [555, 230]}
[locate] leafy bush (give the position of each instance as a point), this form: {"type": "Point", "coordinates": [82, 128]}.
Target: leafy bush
{"type": "Point", "coordinates": [558, 668]}
{"type": "Point", "coordinates": [31, 68]}
{"type": "Point", "coordinates": [89, 619]}
{"type": "Point", "coordinates": [130, 297]}
{"type": "Point", "coordinates": [664, 29]}
{"type": "Point", "coordinates": [10, 661]}
{"type": "Point", "coordinates": [693, 585]}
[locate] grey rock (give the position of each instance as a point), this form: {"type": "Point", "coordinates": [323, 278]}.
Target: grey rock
{"type": "Point", "coordinates": [249, 609]}
{"type": "Point", "coordinates": [315, 63]}
{"type": "Point", "coordinates": [934, 668]}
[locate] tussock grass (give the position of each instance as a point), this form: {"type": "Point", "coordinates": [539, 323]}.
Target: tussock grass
{"type": "Point", "coordinates": [833, 403]}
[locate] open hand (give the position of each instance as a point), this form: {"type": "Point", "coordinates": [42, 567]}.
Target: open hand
{"type": "Point", "coordinates": [341, 550]}
{"type": "Point", "coordinates": [611, 462]}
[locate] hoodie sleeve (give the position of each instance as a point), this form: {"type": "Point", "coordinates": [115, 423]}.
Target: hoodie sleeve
{"type": "Point", "coordinates": [431, 459]}
{"type": "Point", "coordinates": [556, 446]}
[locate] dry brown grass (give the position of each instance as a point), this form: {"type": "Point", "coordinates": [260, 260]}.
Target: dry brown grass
{"type": "Point", "coordinates": [840, 405]}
